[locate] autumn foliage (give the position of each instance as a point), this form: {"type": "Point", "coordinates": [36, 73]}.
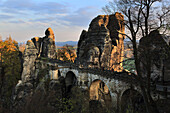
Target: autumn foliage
{"type": "Point", "coordinates": [66, 53]}
{"type": "Point", "coordinates": [10, 70]}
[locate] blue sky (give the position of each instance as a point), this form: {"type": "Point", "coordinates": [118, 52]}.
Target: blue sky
{"type": "Point", "coordinates": [24, 19]}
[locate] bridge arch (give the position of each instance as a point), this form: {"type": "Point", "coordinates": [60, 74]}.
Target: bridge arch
{"type": "Point", "coordinates": [99, 91]}
{"type": "Point", "coordinates": [59, 73]}
{"type": "Point", "coordinates": [70, 80]}
{"type": "Point", "coordinates": [132, 100]}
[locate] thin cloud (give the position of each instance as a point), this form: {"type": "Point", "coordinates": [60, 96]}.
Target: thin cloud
{"type": "Point", "coordinates": [5, 16]}
{"type": "Point", "coordinates": [47, 12]}
{"type": "Point", "coordinates": [16, 21]}
{"type": "Point", "coordinates": [29, 5]}
{"type": "Point", "coordinates": [31, 18]}
{"type": "Point", "coordinates": [82, 16]}
{"type": "Point", "coordinates": [13, 11]}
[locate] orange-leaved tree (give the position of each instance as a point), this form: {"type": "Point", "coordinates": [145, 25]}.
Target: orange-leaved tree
{"type": "Point", "coordinates": [66, 53]}
{"type": "Point", "coordinates": [10, 69]}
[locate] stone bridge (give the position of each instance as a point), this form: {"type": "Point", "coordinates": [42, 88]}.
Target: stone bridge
{"type": "Point", "coordinates": [110, 88]}
{"type": "Point", "coordinates": [98, 68]}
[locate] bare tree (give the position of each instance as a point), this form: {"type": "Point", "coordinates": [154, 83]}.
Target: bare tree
{"type": "Point", "coordinates": [142, 17]}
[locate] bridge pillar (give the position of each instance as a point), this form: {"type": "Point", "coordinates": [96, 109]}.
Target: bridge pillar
{"type": "Point", "coordinates": [115, 101]}
{"type": "Point", "coordinates": [83, 80]}
{"type": "Point", "coordinates": [53, 71]}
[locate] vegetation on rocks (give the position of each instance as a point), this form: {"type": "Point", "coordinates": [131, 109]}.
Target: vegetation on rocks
{"type": "Point", "coordinates": [66, 53]}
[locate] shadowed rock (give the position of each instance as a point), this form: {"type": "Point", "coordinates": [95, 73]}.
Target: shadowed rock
{"type": "Point", "coordinates": [48, 44]}
{"type": "Point", "coordinates": [102, 45]}
{"type": "Point", "coordinates": [154, 53]}
{"type": "Point", "coordinates": [36, 47]}
{"type": "Point", "coordinates": [49, 33]}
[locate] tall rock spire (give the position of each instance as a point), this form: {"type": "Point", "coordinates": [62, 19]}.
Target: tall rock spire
{"type": "Point", "coordinates": [102, 45]}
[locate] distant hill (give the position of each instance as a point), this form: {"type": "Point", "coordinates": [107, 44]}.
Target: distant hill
{"type": "Point", "coordinates": [73, 43]}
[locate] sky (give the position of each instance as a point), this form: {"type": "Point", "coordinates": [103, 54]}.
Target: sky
{"type": "Point", "coordinates": [25, 19]}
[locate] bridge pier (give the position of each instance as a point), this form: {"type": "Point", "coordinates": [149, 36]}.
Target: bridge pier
{"type": "Point", "coordinates": [83, 80]}
{"type": "Point", "coordinates": [112, 86]}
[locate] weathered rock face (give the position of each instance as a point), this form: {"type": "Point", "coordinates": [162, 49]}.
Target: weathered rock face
{"type": "Point", "coordinates": [30, 55]}
{"type": "Point", "coordinates": [48, 44]}
{"type": "Point", "coordinates": [102, 45]}
{"type": "Point", "coordinates": [154, 52]}
{"type": "Point", "coordinates": [35, 48]}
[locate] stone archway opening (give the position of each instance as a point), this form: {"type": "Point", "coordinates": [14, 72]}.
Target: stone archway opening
{"type": "Point", "coordinates": [59, 73]}
{"type": "Point", "coordinates": [70, 81]}
{"type": "Point", "coordinates": [99, 93]}
{"type": "Point", "coordinates": [132, 101]}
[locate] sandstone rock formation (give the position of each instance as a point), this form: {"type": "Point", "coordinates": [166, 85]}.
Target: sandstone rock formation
{"type": "Point", "coordinates": [48, 44]}
{"type": "Point", "coordinates": [30, 55]}
{"type": "Point", "coordinates": [35, 48]}
{"type": "Point", "coordinates": [155, 53]}
{"type": "Point", "coordinates": [102, 45]}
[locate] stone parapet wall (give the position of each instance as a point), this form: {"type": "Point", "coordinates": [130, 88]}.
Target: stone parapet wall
{"type": "Point", "coordinates": [123, 76]}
